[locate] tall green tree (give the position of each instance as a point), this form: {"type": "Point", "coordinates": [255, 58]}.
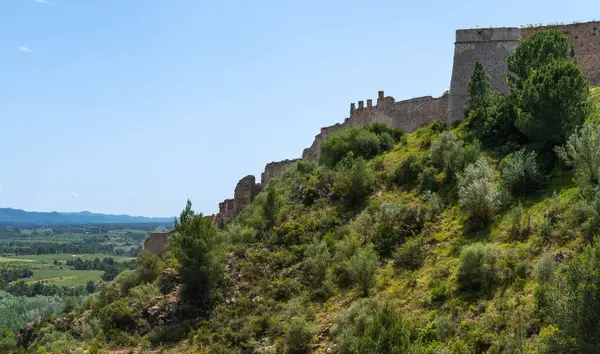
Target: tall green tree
{"type": "Point", "coordinates": [194, 245]}
{"type": "Point", "coordinates": [480, 93]}
{"type": "Point", "coordinates": [554, 100]}
{"type": "Point", "coordinates": [535, 52]}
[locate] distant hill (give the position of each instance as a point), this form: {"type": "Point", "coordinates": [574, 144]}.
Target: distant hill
{"type": "Point", "coordinates": [9, 216]}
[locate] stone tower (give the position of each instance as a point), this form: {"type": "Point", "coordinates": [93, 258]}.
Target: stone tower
{"type": "Point", "coordinates": [491, 47]}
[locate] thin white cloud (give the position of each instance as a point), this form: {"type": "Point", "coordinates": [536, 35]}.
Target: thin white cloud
{"type": "Point", "coordinates": [1, 189]}
{"type": "Point", "coordinates": [45, 2]}
{"type": "Point", "coordinates": [74, 194]}
{"type": "Point", "coordinates": [24, 49]}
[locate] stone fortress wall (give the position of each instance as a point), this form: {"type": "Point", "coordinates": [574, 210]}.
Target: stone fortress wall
{"type": "Point", "coordinates": [585, 37]}
{"type": "Point", "coordinates": [490, 46]}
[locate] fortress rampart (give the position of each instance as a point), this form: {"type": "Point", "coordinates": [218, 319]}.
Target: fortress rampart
{"type": "Point", "coordinates": [490, 46]}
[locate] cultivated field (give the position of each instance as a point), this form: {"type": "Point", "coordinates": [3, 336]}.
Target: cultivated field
{"type": "Point", "coordinates": [66, 257]}
{"type": "Point", "coordinates": [64, 277]}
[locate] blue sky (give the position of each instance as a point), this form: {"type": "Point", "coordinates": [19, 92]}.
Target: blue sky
{"type": "Point", "coordinates": [134, 106]}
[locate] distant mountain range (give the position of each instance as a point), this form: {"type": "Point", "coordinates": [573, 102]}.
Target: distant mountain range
{"type": "Point", "coordinates": [9, 216]}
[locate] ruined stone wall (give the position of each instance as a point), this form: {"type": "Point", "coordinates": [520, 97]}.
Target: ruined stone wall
{"type": "Point", "coordinates": [491, 47]}
{"type": "Point", "coordinates": [156, 242]}
{"type": "Point", "coordinates": [226, 212]}
{"type": "Point", "coordinates": [245, 192]}
{"type": "Point", "coordinates": [408, 115]}
{"type": "Point", "coordinates": [585, 37]}
{"type": "Point", "coordinates": [274, 170]}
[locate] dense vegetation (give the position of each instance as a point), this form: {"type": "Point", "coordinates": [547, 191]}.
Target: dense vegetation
{"type": "Point", "coordinates": [477, 237]}
{"type": "Point", "coordinates": [37, 281]}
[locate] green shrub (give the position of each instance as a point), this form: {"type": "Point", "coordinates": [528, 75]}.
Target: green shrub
{"type": "Point", "coordinates": [478, 197]}
{"type": "Point", "coordinates": [573, 300]}
{"type": "Point", "coordinates": [364, 265]}
{"type": "Point", "coordinates": [148, 267]}
{"type": "Point", "coordinates": [427, 179]}
{"type": "Point", "coordinates": [411, 254]}
{"type": "Point", "coordinates": [519, 173]}
{"type": "Point", "coordinates": [317, 261]}
{"type": "Point", "coordinates": [544, 269]}
{"type": "Point", "coordinates": [370, 326]}
{"type": "Point", "coordinates": [393, 224]}
{"type": "Point", "coordinates": [286, 288]}
{"type": "Point", "coordinates": [354, 181]}
{"type": "Point", "coordinates": [586, 213]}
{"type": "Point", "coordinates": [350, 323]}
{"type": "Point", "coordinates": [407, 173]}
{"type": "Point", "coordinates": [582, 151]}
{"type": "Point", "coordinates": [341, 265]}
{"type": "Point", "coordinates": [387, 333]}
{"type": "Point", "coordinates": [118, 315]}
{"type": "Point", "coordinates": [365, 142]}
{"type": "Point", "coordinates": [479, 269]}
{"type": "Point", "coordinates": [298, 336]}
{"type": "Point", "coordinates": [520, 223]}
{"type": "Point", "coordinates": [433, 205]}
{"type": "Point", "coordinates": [449, 153]}
{"type": "Point", "coordinates": [235, 233]}
{"type": "Point", "coordinates": [8, 341]}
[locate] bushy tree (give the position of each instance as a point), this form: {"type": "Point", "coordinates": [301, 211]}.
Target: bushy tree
{"type": "Point", "coordinates": [194, 246]}
{"type": "Point", "coordinates": [450, 153]}
{"type": "Point", "coordinates": [298, 336]}
{"type": "Point", "coordinates": [519, 173]}
{"type": "Point", "coordinates": [478, 197]}
{"type": "Point", "coordinates": [582, 151]}
{"type": "Point", "coordinates": [479, 269]}
{"type": "Point", "coordinates": [554, 100]}
{"type": "Point", "coordinates": [365, 142]}
{"type": "Point", "coordinates": [149, 267]}
{"type": "Point", "coordinates": [490, 116]}
{"type": "Point", "coordinates": [481, 99]}
{"type": "Point", "coordinates": [411, 254]}
{"type": "Point", "coordinates": [354, 181]}
{"type": "Point", "coordinates": [407, 172]}
{"type": "Point", "coordinates": [533, 53]}
{"type": "Point", "coordinates": [394, 223]}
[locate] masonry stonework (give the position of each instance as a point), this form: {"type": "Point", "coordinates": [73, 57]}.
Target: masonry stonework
{"type": "Point", "coordinates": [490, 46]}
{"type": "Point", "coordinates": [156, 242]}
{"type": "Point", "coordinates": [407, 115]}
{"type": "Point", "coordinates": [585, 37]}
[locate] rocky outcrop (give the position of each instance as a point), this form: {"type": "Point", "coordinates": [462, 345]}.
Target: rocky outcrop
{"type": "Point", "coordinates": [245, 192]}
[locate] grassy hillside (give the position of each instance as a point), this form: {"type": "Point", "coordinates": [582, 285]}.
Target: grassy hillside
{"type": "Point", "coordinates": [477, 237]}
